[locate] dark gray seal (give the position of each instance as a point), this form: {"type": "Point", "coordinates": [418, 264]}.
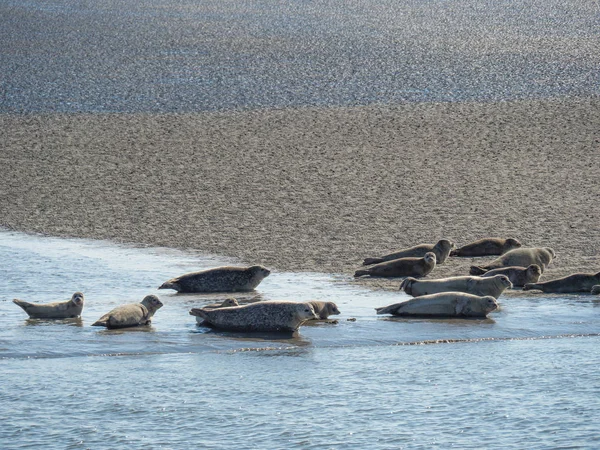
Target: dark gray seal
{"type": "Point", "coordinates": [441, 249]}
{"type": "Point", "coordinates": [324, 309]}
{"type": "Point", "coordinates": [518, 276]}
{"type": "Point", "coordinates": [577, 282]}
{"type": "Point", "coordinates": [219, 279]}
{"type": "Point", "coordinates": [521, 257]}
{"type": "Point", "coordinates": [596, 289]}
{"type": "Point", "coordinates": [487, 247]}
{"type": "Point", "coordinates": [402, 267]}
{"type": "Point", "coordinates": [270, 316]}
{"type": "Point", "coordinates": [56, 310]}
{"type": "Point", "coordinates": [480, 286]}
{"type": "Point", "coordinates": [443, 304]}
{"type": "Point", "coordinates": [130, 315]}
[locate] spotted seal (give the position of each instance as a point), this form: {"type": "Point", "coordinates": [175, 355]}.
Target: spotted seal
{"type": "Point", "coordinates": [479, 286]}
{"type": "Point", "coordinates": [486, 247]}
{"type": "Point", "coordinates": [441, 249]}
{"type": "Point", "coordinates": [577, 282]}
{"type": "Point", "coordinates": [443, 304]}
{"type": "Point", "coordinates": [219, 279]}
{"type": "Point", "coordinates": [521, 257]}
{"type": "Point", "coordinates": [130, 315]}
{"type": "Point", "coordinates": [324, 309]}
{"type": "Point", "coordinates": [56, 310]}
{"type": "Point", "coordinates": [518, 276]}
{"type": "Point", "coordinates": [402, 267]}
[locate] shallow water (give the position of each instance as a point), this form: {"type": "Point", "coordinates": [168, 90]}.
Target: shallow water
{"type": "Point", "coordinates": [525, 377]}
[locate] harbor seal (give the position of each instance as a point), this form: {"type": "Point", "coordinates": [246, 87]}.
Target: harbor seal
{"type": "Point", "coordinates": [219, 279]}
{"type": "Point", "coordinates": [596, 289]}
{"type": "Point", "coordinates": [224, 304]}
{"type": "Point", "coordinates": [518, 276]}
{"type": "Point", "coordinates": [486, 247]}
{"type": "Point", "coordinates": [577, 282]}
{"type": "Point", "coordinates": [130, 315]}
{"type": "Point", "coordinates": [441, 249]}
{"type": "Point", "coordinates": [479, 286]}
{"type": "Point", "coordinates": [56, 310]}
{"type": "Point", "coordinates": [266, 316]}
{"type": "Point", "coordinates": [402, 267]}
{"type": "Point", "coordinates": [443, 304]}
{"type": "Point", "coordinates": [324, 309]}
{"type": "Point", "coordinates": [521, 257]}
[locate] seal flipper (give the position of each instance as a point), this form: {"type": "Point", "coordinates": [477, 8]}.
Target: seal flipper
{"type": "Point", "coordinates": [198, 312]}
{"type": "Point", "coordinates": [369, 261]}
{"type": "Point", "coordinates": [23, 304]}
{"type": "Point", "coordinates": [407, 284]}
{"type": "Point", "coordinates": [530, 286]}
{"type": "Point", "coordinates": [460, 306]}
{"type": "Point", "coordinates": [360, 273]}
{"type": "Point", "coordinates": [475, 270]}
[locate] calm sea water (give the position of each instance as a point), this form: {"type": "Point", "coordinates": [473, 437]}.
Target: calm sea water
{"type": "Point", "coordinates": [524, 378]}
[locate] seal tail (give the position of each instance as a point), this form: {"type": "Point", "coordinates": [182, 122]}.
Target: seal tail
{"type": "Point", "coordinates": [369, 261]}
{"type": "Point", "coordinates": [530, 286]}
{"type": "Point", "coordinates": [407, 285]}
{"type": "Point", "coordinates": [361, 272]}
{"type": "Point", "coordinates": [386, 309]}
{"type": "Point", "coordinates": [168, 285]}
{"type": "Point", "coordinates": [454, 253]}
{"type": "Point", "coordinates": [23, 304]}
{"type": "Point", "coordinates": [475, 270]}
{"type": "Point", "coordinates": [198, 312]}
{"type": "Point", "coordinates": [100, 323]}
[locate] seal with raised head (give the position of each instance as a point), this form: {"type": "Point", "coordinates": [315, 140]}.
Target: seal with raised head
{"type": "Point", "coordinates": [55, 310]}
{"type": "Point", "coordinates": [596, 289]}
{"type": "Point", "coordinates": [487, 247]}
{"type": "Point", "coordinates": [269, 316]}
{"type": "Point", "coordinates": [130, 315]}
{"type": "Point", "coordinates": [577, 282]}
{"type": "Point", "coordinates": [480, 286]}
{"type": "Point", "coordinates": [443, 304]}
{"type": "Point", "coordinates": [402, 267]}
{"type": "Point", "coordinates": [518, 276]}
{"type": "Point", "coordinates": [224, 304]}
{"type": "Point", "coordinates": [219, 279]}
{"type": "Point", "coordinates": [521, 257]}
{"type": "Point", "coordinates": [441, 249]}
{"type": "Point", "coordinates": [324, 309]}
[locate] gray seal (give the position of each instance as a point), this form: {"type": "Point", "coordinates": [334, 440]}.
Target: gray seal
{"type": "Point", "coordinates": [518, 276]}
{"type": "Point", "coordinates": [487, 247]}
{"type": "Point", "coordinates": [577, 282]}
{"type": "Point", "coordinates": [56, 310]}
{"type": "Point", "coordinates": [521, 257]}
{"type": "Point", "coordinates": [324, 309]}
{"type": "Point", "coordinates": [596, 289]}
{"type": "Point", "coordinates": [402, 267]}
{"type": "Point", "coordinates": [130, 315]}
{"type": "Point", "coordinates": [443, 304]}
{"type": "Point", "coordinates": [269, 316]}
{"type": "Point", "coordinates": [479, 286]}
{"type": "Point", "coordinates": [441, 249]}
{"type": "Point", "coordinates": [219, 279]}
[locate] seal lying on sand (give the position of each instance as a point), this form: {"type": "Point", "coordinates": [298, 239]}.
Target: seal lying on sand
{"type": "Point", "coordinates": [220, 279]}
{"type": "Point", "coordinates": [480, 286]}
{"type": "Point", "coordinates": [402, 267]}
{"type": "Point", "coordinates": [324, 309]}
{"type": "Point", "coordinates": [441, 249]}
{"type": "Point", "coordinates": [56, 310]}
{"type": "Point", "coordinates": [518, 276]}
{"type": "Point", "coordinates": [596, 289]}
{"type": "Point", "coordinates": [260, 316]}
{"type": "Point", "coordinates": [577, 282]}
{"type": "Point", "coordinates": [443, 304]}
{"type": "Point", "coordinates": [130, 315]}
{"type": "Point", "coordinates": [522, 257]}
{"type": "Point", "coordinates": [487, 247]}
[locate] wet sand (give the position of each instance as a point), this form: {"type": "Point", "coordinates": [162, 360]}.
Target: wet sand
{"type": "Point", "coordinates": [314, 189]}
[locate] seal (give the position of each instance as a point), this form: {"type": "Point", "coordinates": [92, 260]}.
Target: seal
{"type": "Point", "coordinates": [479, 286]}
{"type": "Point", "coordinates": [518, 276]}
{"type": "Point", "coordinates": [269, 316]}
{"type": "Point", "coordinates": [441, 249]}
{"type": "Point", "coordinates": [443, 304]}
{"type": "Point", "coordinates": [324, 309]}
{"type": "Point", "coordinates": [521, 257]}
{"type": "Point", "coordinates": [486, 247]}
{"type": "Point", "coordinates": [402, 267]}
{"type": "Point", "coordinates": [225, 304]}
{"type": "Point", "coordinates": [596, 289]}
{"type": "Point", "coordinates": [130, 315]}
{"type": "Point", "coordinates": [577, 282]}
{"type": "Point", "coordinates": [56, 310]}
{"type": "Point", "coordinates": [219, 279]}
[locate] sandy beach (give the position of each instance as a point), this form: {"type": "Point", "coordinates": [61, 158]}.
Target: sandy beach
{"type": "Point", "coordinates": [314, 189]}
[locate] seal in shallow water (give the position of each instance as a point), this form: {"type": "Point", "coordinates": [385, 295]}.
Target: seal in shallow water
{"type": "Point", "coordinates": [577, 282]}
{"type": "Point", "coordinates": [441, 249]}
{"type": "Point", "coordinates": [324, 309]}
{"type": "Point", "coordinates": [596, 289]}
{"type": "Point", "coordinates": [261, 316]}
{"type": "Point", "coordinates": [220, 279]}
{"type": "Point", "coordinates": [443, 304]}
{"type": "Point", "coordinates": [487, 247]}
{"type": "Point", "coordinates": [130, 315]}
{"type": "Point", "coordinates": [518, 276]}
{"type": "Point", "coordinates": [480, 286]}
{"type": "Point", "coordinates": [522, 257]}
{"type": "Point", "coordinates": [402, 267]}
{"type": "Point", "coordinates": [56, 310]}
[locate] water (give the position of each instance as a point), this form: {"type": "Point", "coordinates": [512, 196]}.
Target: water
{"type": "Point", "coordinates": [525, 377]}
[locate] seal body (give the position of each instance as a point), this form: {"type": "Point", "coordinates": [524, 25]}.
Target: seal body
{"type": "Point", "coordinates": [596, 289]}
{"type": "Point", "coordinates": [270, 316]}
{"type": "Point", "coordinates": [487, 247]}
{"type": "Point", "coordinates": [441, 249]}
{"type": "Point", "coordinates": [444, 304]}
{"type": "Point", "coordinates": [324, 309]}
{"type": "Point", "coordinates": [56, 310]}
{"type": "Point", "coordinates": [479, 286]}
{"type": "Point", "coordinates": [402, 267]}
{"type": "Point", "coordinates": [220, 279]}
{"type": "Point", "coordinates": [521, 257]}
{"type": "Point", "coordinates": [577, 282]}
{"type": "Point", "coordinates": [518, 276]}
{"type": "Point", "coordinates": [131, 315]}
